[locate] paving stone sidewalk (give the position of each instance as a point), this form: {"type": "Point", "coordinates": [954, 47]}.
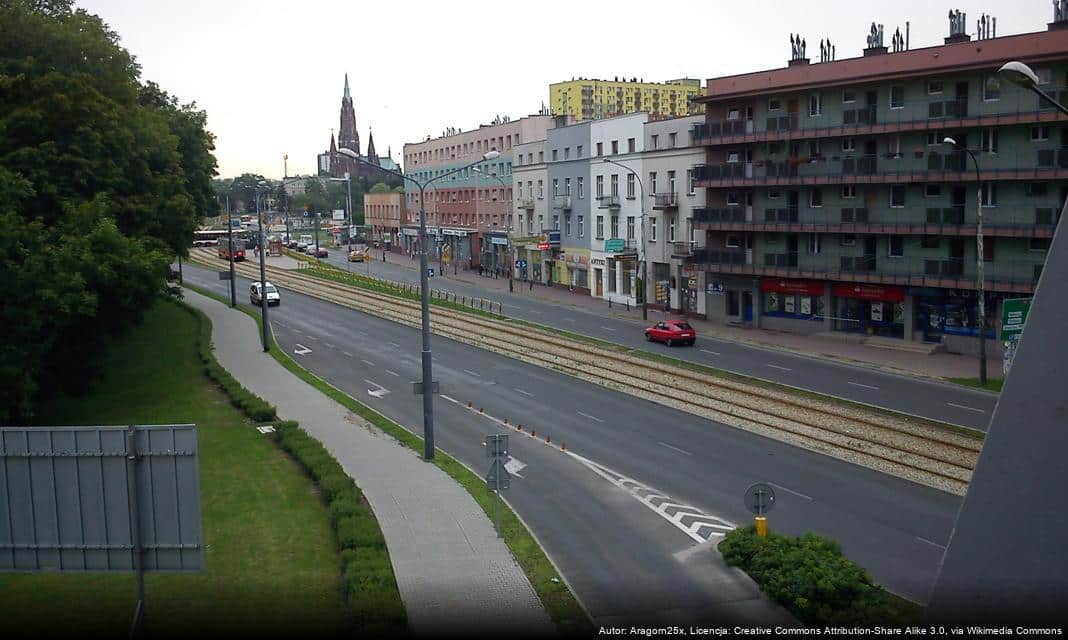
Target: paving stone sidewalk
{"type": "Point", "coordinates": [455, 576]}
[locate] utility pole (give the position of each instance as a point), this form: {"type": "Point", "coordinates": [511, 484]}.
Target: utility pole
{"type": "Point", "coordinates": [263, 277]}
{"type": "Point", "coordinates": [230, 239]}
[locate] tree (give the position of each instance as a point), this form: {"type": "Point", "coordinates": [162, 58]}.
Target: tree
{"type": "Point", "coordinates": [243, 191]}
{"type": "Point", "coordinates": [102, 179]}
{"type": "Point", "coordinates": [380, 187]}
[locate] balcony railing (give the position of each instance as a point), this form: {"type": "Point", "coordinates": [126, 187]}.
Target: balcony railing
{"type": "Point", "coordinates": [939, 111]}
{"type": "Point", "coordinates": [562, 203]}
{"type": "Point", "coordinates": [664, 201]}
{"type": "Point", "coordinates": [714, 214]}
{"type": "Point", "coordinates": [682, 249]}
{"type": "Point", "coordinates": [608, 201]}
{"type": "Point", "coordinates": [525, 203]}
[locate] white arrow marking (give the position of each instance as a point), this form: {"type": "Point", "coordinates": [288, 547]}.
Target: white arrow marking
{"type": "Point", "coordinates": [379, 392]}
{"type": "Point", "coordinates": [514, 466]}
{"type": "Point", "coordinates": [301, 350]}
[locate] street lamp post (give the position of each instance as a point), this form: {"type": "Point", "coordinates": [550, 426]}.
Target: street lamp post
{"type": "Point", "coordinates": [263, 273]}
{"type": "Point", "coordinates": [230, 239]}
{"type": "Point", "coordinates": [980, 285]}
{"type": "Point", "coordinates": [348, 200]}
{"type": "Point", "coordinates": [424, 291]}
{"type": "Point", "coordinates": [1021, 75]}
{"type": "Point", "coordinates": [641, 242]}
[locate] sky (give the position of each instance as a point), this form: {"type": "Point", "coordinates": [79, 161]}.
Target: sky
{"type": "Point", "coordinates": [270, 73]}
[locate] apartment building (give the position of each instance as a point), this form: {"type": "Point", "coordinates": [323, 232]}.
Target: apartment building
{"type": "Point", "coordinates": [669, 158]}
{"type": "Point", "coordinates": [468, 209]}
{"type": "Point", "coordinates": [832, 203]}
{"type": "Point", "coordinates": [386, 214]}
{"type": "Point", "coordinates": [529, 176]}
{"type": "Point", "coordinates": [616, 232]}
{"type": "Point", "coordinates": [568, 151]}
{"type": "Point", "coordinates": [593, 99]}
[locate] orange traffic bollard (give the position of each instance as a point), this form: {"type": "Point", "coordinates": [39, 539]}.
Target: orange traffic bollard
{"type": "Point", "coordinates": [761, 526]}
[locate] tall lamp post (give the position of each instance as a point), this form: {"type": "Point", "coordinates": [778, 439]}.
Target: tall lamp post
{"type": "Point", "coordinates": [980, 285]}
{"type": "Point", "coordinates": [230, 239]}
{"type": "Point", "coordinates": [641, 242]}
{"type": "Point", "coordinates": [348, 186]}
{"type": "Point", "coordinates": [263, 272]}
{"type": "Point", "coordinates": [424, 290]}
{"type": "Point", "coordinates": [505, 186]}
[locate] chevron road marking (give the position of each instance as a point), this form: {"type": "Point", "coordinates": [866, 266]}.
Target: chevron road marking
{"type": "Point", "coordinates": [703, 528]}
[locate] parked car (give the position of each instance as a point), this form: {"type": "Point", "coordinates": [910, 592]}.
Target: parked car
{"type": "Point", "coordinates": [671, 332]}
{"type": "Point", "coordinates": [301, 247]}
{"type": "Point", "coordinates": [273, 299]}
{"type": "Point", "coordinates": [322, 253]}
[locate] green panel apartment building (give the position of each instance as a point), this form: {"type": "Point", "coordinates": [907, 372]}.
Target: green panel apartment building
{"type": "Point", "coordinates": [833, 203]}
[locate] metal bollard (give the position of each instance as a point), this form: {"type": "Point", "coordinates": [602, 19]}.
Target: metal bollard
{"type": "Point", "coordinates": [628, 304]}
{"type": "Point", "coordinates": [761, 526]}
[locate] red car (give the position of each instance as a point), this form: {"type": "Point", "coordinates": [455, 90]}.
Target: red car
{"type": "Point", "coordinates": [672, 332]}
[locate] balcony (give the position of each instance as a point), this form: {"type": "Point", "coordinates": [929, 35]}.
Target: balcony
{"type": "Point", "coordinates": [610, 201]}
{"type": "Point", "coordinates": [562, 202]}
{"type": "Point", "coordinates": [525, 203]}
{"type": "Point", "coordinates": [707, 215]}
{"type": "Point", "coordinates": [936, 112]}
{"type": "Point", "coordinates": [665, 201]}
{"type": "Point", "coordinates": [682, 249]}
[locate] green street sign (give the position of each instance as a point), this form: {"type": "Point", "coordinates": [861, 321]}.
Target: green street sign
{"type": "Point", "coordinates": [1013, 316]}
{"type": "Point", "coordinates": [613, 245]}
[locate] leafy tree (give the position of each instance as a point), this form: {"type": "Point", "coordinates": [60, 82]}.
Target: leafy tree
{"type": "Point", "coordinates": [243, 191]}
{"type": "Point", "coordinates": [380, 187]}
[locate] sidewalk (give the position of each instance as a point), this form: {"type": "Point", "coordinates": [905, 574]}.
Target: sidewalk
{"type": "Point", "coordinates": [936, 365]}
{"type": "Point", "coordinates": [454, 574]}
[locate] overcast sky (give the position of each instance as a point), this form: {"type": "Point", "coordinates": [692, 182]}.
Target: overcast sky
{"type": "Point", "coordinates": [270, 73]}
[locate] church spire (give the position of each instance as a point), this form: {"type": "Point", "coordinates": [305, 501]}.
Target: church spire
{"type": "Point", "coordinates": [371, 155]}
{"type": "Point", "coordinates": [347, 96]}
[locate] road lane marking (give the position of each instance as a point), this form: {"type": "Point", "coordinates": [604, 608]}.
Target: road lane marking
{"type": "Point", "coordinates": [295, 330]}
{"type": "Point", "coordinates": [863, 386]}
{"type": "Point", "coordinates": [586, 415]}
{"type": "Point", "coordinates": [392, 373]}
{"type": "Point", "coordinates": [329, 346]}
{"type": "Point", "coordinates": [301, 350]}
{"type": "Point", "coordinates": [960, 406]}
{"type": "Point", "coordinates": [608, 328]}
{"type": "Point", "coordinates": [570, 320]}
{"type": "Point", "coordinates": [379, 392]}
{"type": "Point", "coordinates": [311, 337]}
{"type": "Point", "coordinates": [347, 353]}
{"type": "Point", "coordinates": [472, 373]}
{"type": "Point", "coordinates": [775, 366]}
{"type": "Point", "coordinates": [526, 393]}
{"type": "Point", "coordinates": [702, 527]}
{"type": "Point", "coordinates": [513, 466]}
{"type": "Point", "coordinates": [933, 544]}
{"type": "Point", "coordinates": [395, 344]}
{"type": "Point", "coordinates": [367, 362]}
{"type": "Point", "coordinates": [715, 353]}
{"type": "Point", "coordinates": [533, 311]}
{"type": "Point", "coordinates": [796, 493]}
{"type": "Point", "coordinates": [683, 451]}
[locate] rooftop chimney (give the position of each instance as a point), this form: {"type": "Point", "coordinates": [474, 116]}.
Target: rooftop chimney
{"type": "Point", "coordinates": [875, 41]}
{"type": "Point", "coordinates": [1060, 15]}
{"type": "Point", "coordinates": [957, 22]}
{"type": "Point", "coordinates": [797, 51]}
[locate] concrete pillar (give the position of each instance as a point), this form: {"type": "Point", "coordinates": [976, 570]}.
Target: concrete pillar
{"type": "Point", "coordinates": [758, 304]}
{"type": "Point", "coordinates": [907, 317]}
{"type": "Point", "coordinates": [828, 307]}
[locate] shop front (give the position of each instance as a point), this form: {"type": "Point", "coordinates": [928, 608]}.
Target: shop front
{"type": "Point", "coordinates": [689, 293]}
{"type": "Point", "coordinates": [731, 299]}
{"type": "Point", "coordinates": [573, 270]}
{"type": "Point", "coordinates": [869, 309]}
{"type": "Point", "coordinates": [494, 255]}
{"type": "Point", "coordinates": [943, 314]}
{"type": "Point", "coordinates": [456, 247]}
{"type": "Point", "coordinates": [409, 240]}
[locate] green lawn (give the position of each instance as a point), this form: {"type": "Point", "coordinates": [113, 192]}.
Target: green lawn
{"type": "Point", "coordinates": [992, 384]}
{"type": "Point", "coordinates": [272, 562]}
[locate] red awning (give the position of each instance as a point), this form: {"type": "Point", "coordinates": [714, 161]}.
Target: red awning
{"type": "Point", "coordinates": [869, 292]}
{"type": "Point", "coordinates": [802, 287]}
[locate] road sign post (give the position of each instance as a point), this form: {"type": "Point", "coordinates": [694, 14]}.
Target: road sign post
{"type": "Point", "coordinates": [498, 477]}
{"type": "Point", "coordinates": [1013, 317]}
{"type": "Point", "coordinates": [759, 499]}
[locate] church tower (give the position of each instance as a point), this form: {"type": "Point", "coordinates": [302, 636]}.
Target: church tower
{"type": "Point", "coordinates": [348, 137]}
{"type": "Point", "coordinates": [372, 157]}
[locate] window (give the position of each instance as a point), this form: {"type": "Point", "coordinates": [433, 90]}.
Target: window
{"type": "Point", "coordinates": [630, 184]}
{"type": "Point", "coordinates": [541, 156]}
{"type": "Point", "coordinates": [930, 242]}
{"type": "Point", "coordinates": [581, 227]}
{"type": "Point", "coordinates": [1036, 189]}
{"type": "Point", "coordinates": [578, 151]}
{"type": "Point", "coordinates": [849, 95]}
{"type": "Point", "coordinates": [654, 142]}
{"type": "Point", "coordinates": [567, 153]}
{"type": "Point", "coordinates": [1038, 244]}
{"type": "Point", "coordinates": [615, 184]}
{"type": "Point", "coordinates": [991, 88]}
{"type": "Point", "coordinates": [988, 250]}
{"type": "Point", "coordinates": [615, 227]}
{"type": "Point", "coordinates": [1039, 134]}
{"type": "Point", "coordinates": [897, 196]}
{"type": "Point", "coordinates": [848, 240]}
{"type": "Point", "coordinates": [815, 105]}
{"type": "Point", "coordinates": [849, 144]}
{"type": "Point", "coordinates": [935, 138]}
{"type": "Point", "coordinates": [732, 198]}
{"type": "Point", "coordinates": [600, 228]}
{"type": "Point", "coordinates": [896, 247]}
{"type": "Point", "coordinates": [598, 186]}
{"type": "Point", "coordinates": [581, 187]}
{"type": "Point", "coordinates": [1044, 75]}
{"type": "Point", "coordinates": [521, 221]}
{"type": "Point", "coordinates": [689, 182]}
{"type": "Point", "coordinates": [815, 243]}
{"type": "Point", "coordinates": [600, 149]}
{"type": "Point", "coordinates": [615, 147]}
{"type": "Point", "coordinates": [932, 190]}
{"type": "Point", "coordinates": [894, 146]}
{"type": "Point", "coordinates": [554, 155]}
{"type": "Point", "coordinates": [732, 241]}
{"type": "Point", "coordinates": [541, 190]}
{"type": "Point", "coordinates": [774, 104]}
{"type": "Point", "coordinates": [567, 225]}
{"type": "Point", "coordinates": [652, 182]}
{"type": "Point", "coordinates": [732, 113]}
{"type": "Point", "coordinates": [556, 222]}
{"type": "Point", "coordinates": [630, 145]}
{"type": "Point", "coordinates": [774, 193]}
{"type": "Point", "coordinates": [556, 186]}
{"type": "Point", "coordinates": [630, 227]}
{"type": "Point", "coordinates": [849, 191]}
{"type": "Point", "coordinates": [567, 186]}
{"type": "Point", "coordinates": [897, 97]}
{"type": "Point", "coordinates": [990, 194]}
{"type": "Point", "coordinates": [652, 229]}
{"type": "Point", "coordinates": [934, 87]}
{"type": "Point", "coordinates": [671, 229]}
{"type": "Point", "coordinates": [672, 140]}
{"type": "Point", "coordinates": [815, 198]}
{"type": "Point", "coordinates": [814, 149]}
{"type": "Point", "coordinates": [990, 140]}
{"type": "Point", "coordinates": [671, 182]}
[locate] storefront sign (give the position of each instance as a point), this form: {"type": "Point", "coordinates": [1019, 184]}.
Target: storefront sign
{"type": "Point", "coordinates": [597, 262]}
{"type": "Point", "coordinates": [553, 238]}
{"type": "Point", "coordinates": [869, 292]}
{"type": "Point", "coordinates": [410, 232]}
{"type": "Point", "coordinates": [614, 245]}
{"type": "Point", "coordinates": [572, 259]}
{"type": "Point", "coordinates": [806, 306]}
{"type": "Point", "coordinates": [1013, 316]}
{"type": "Point", "coordinates": [877, 312]}
{"type": "Point", "coordinates": [715, 288]}
{"type": "Point", "coordinates": [544, 246]}
{"type": "Point", "coordinates": [789, 304]}
{"type": "Point", "coordinates": [497, 240]}
{"type": "Point", "coordinates": [455, 232]}
{"type": "Point", "coordinates": [802, 287]}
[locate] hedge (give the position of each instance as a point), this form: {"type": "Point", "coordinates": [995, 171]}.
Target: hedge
{"type": "Point", "coordinates": [368, 580]}
{"type": "Point", "coordinates": [810, 577]}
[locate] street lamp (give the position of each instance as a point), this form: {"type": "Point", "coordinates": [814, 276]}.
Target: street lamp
{"type": "Point", "coordinates": [348, 185]}
{"type": "Point", "coordinates": [505, 186]}
{"type": "Point", "coordinates": [230, 239]}
{"type": "Point", "coordinates": [641, 242]}
{"type": "Point", "coordinates": [261, 243]}
{"type": "Point", "coordinates": [1021, 75]}
{"type": "Point", "coordinates": [979, 260]}
{"type": "Point", "coordinates": [424, 289]}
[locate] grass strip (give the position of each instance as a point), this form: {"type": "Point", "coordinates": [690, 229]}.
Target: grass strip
{"type": "Point", "coordinates": [992, 384]}
{"type": "Point", "coordinates": [565, 610]}
{"type": "Point", "coordinates": [370, 584]}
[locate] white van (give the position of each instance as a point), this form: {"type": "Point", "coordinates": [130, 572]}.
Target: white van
{"type": "Point", "coordinates": [273, 299]}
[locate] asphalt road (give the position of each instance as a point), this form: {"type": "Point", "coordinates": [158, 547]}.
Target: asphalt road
{"type": "Point", "coordinates": [611, 519]}
{"type": "Point", "coordinates": [943, 402]}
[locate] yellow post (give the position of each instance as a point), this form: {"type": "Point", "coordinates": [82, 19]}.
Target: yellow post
{"type": "Point", "coordinates": [761, 526]}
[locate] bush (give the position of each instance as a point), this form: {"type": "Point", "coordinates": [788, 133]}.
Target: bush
{"type": "Point", "coordinates": [359, 532]}
{"type": "Point", "coordinates": [813, 580]}
{"type": "Point", "coordinates": [334, 485]}
{"type": "Point", "coordinates": [347, 505]}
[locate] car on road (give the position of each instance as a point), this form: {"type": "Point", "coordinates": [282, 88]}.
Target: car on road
{"type": "Point", "coordinates": [359, 255]}
{"type": "Point", "coordinates": [321, 253]}
{"type": "Point", "coordinates": [671, 332]}
{"type": "Point", "coordinates": [255, 297]}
